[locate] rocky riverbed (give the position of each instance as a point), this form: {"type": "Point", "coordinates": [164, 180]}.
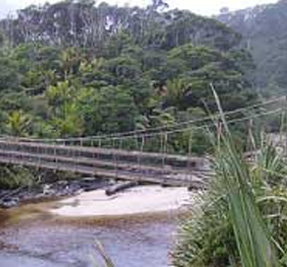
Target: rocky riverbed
{"type": "Point", "coordinates": [59, 189]}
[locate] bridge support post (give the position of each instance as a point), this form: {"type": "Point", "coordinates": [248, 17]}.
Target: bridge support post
{"type": "Point", "coordinates": [115, 158]}
{"type": "Point", "coordinates": [189, 149]}
{"type": "Point", "coordinates": [55, 156]}
{"type": "Point", "coordinates": [99, 147]}
{"type": "Point", "coordinates": [39, 157]}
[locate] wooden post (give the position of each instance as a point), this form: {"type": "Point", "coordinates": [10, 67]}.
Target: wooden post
{"type": "Point", "coordinates": [77, 155]}
{"type": "Point", "coordinates": [23, 158]}
{"type": "Point", "coordinates": [39, 157]}
{"type": "Point", "coordinates": [115, 158]}
{"type": "Point", "coordinates": [189, 149]}
{"type": "Point", "coordinates": [163, 150]}
{"type": "Point", "coordinates": [140, 162]}
{"type": "Point", "coordinates": [56, 154]}
{"type": "Point", "coordinates": [74, 155]}
{"type": "Point", "coordinates": [94, 149]}
{"type": "Point", "coordinates": [165, 139]}
{"type": "Point", "coordinates": [99, 147]}
{"type": "Point", "coordinates": [138, 156]}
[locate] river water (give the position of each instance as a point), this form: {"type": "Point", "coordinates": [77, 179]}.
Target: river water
{"type": "Point", "coordinates": [44, 241]}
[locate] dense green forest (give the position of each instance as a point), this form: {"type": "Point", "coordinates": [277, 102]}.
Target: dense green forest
{"type": "Point", "coordinates": [264, 35]}
{"type": "Point", "coordinates": [76, 69]}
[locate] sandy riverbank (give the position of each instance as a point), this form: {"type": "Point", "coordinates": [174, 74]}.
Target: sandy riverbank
{"type": "Point", "coordinates": [143, 199]}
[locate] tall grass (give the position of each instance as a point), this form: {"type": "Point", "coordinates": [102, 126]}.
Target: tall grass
{"type": "Point", "coordinates": [252, 236]}
{"type": "Point", "coordinates": [241, 219]}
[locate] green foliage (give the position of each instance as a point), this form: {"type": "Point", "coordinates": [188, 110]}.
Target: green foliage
{"type": "Point", "coordinates": [69, 73]}
{"type": "Point", "coordinates": [220, 232]}
{"type": "Point", "coordinates": [241, 219]}
{"type": "Point", "coordinates": [18, 123]}
{"type": "Point", "coordinates": [9, 78]}
{"type": "Point", "coordinates": [88, 90]}
{"type": "Point", "coordinates": [12, 177]}
{"type": "Point", "coordinates": [263, 31]}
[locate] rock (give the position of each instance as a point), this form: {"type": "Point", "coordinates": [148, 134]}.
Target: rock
{"type": "Point", "coordinates": [62, 188]}
{"type": "Point", "coordinates": [91, 187]}
{"type": "Point", "coordinates": [8, 203]}
{"type": "Point", "coordinates": [46, 189]}
{"type": "Point", "coordinates": [91, 184]}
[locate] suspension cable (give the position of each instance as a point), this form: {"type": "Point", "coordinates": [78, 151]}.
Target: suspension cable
{"type": "Point", "coordinates": [150, 130]}
{"type": "Point", "coordinates": [202, 126]}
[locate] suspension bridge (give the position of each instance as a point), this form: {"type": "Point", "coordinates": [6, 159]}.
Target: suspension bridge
{"type": "Point", "coordinates": [140, 156]}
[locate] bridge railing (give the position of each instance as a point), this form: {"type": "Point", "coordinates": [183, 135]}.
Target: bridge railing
{"type": "Point", "coordinates": [148, 155]}
{"type": "Point", "coordinates": [106, 162]}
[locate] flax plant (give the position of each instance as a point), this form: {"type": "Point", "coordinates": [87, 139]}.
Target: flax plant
{"type": "Point", "coordinates": [241, 219]}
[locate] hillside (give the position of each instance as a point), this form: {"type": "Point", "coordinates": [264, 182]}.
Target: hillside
{"type": "Point", "coordinates": [264, 34]}
{"type": "Point", "coordinates": [74, 68]}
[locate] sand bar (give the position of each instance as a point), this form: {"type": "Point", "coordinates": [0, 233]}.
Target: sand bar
{"type": "Point", "coordinates": [142, 199]}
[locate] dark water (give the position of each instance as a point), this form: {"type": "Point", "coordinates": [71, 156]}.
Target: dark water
{"type": "Point", "coordinates": [130, 242]}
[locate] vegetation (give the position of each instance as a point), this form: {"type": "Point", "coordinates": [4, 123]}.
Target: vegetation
{"type": "Point", "coordinates": [263, 31]}
{"type": "Point", "coordinates": [79, 69]}
{"type": "Point", "coordinates": [241, 219]}
{"type": "Point", "coordinates": [102, 69]}
{"type": "Point", "coordinates": [13, 177]}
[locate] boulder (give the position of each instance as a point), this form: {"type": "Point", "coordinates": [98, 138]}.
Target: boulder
{"type": "Point", "coordinates": [7, 203]}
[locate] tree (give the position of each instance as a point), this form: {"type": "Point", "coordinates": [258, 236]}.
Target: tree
{"type": "Point", "coordinates": [82, 69]}
{"type": "Point", "coordinates": [175, 93]}
{"type": "Point", "coordinates": [18, 123]}
{"type": "Point", "coordinates": [116, 109]}
{"type": "Point", "coordinates": [69, 125]}
{"type": "Point", "coordinates": [159, 5]}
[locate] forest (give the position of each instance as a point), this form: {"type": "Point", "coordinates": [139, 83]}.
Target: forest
{"type": "Point", "coordinates": [263, 34]}
{"type": "Point", "coordinates": [77, 68]}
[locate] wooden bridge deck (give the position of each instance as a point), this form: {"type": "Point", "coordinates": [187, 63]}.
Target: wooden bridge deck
{"type": "Point", "coordinates": [158, 168]}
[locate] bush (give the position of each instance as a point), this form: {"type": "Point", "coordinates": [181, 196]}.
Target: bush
{"type": "Point", "coordinates": [241, 219]}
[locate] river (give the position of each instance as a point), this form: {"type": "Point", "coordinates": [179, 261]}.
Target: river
{"type": "Point", "coordinates": [43, 240]}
